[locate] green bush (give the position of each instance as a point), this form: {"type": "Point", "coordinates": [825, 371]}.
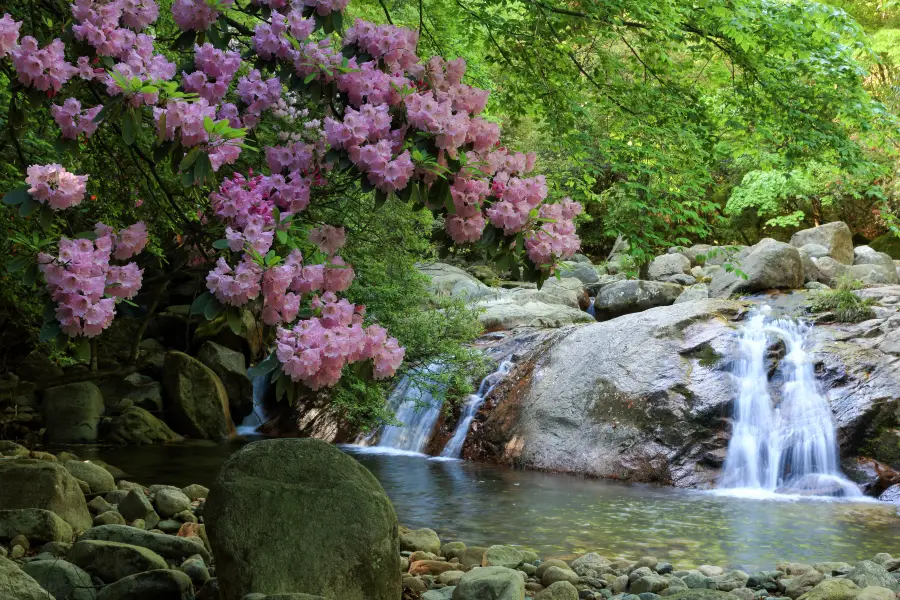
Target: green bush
{"type": "Point", "coordinates": [842, 304]}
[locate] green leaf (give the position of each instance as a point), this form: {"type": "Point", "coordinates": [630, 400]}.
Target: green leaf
{"type": "Point", "coordinates": [49, 331]}
{"type": "Point", "coordinates": [30, 276]}
{"type": "Point", "coordinates": [220, 244]}
{"type": "Point", "coordinates": [189, 159]}
{"type": "Point", "coordinates": [310, 77]}
{"type": "Point", "coordinates": [28, 207]}
{"type": "Point", "coordinates": [202, 168]}
{"type": "Point", "coordinates": [45, 218]}
{"type": "Point", "coordinates": [282, 236]}
{"type": "Point", "coordinates": [86, 235]}
{"type": "Point", "coordinates": [263, 367]}
{"type": "Point", "coordinates": [380, 199]}
{"type": "Point", "coordinates": [280, 387]}
{"type": "Point", "coordinates": [212, 309]}
{"type": "Point", "coordinates": [234, 320]}
{"type": "Point", "coordinates": [129, 131]}
{"type": "Point", "coordinates": [82, 349]}
{"type": "Point", "coordinates": [17, 195]}
{"type": "Point", "coordinates": [14, 265]}
{"type": "Point", "coordinates": [198, 306]}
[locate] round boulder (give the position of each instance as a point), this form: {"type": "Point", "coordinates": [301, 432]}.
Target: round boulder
{"type": "Point", "coordinates": [197, 399]}
{"type": "Point", "coordinates": [299, 515]}
{"type": "Point", "coordinates": [33, 483]}
{"type": "Point", "coordinates": [72, 413]}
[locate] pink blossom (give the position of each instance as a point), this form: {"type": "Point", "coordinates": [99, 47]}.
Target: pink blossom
{"type": "Point", "coordinates": [195, 14]}
{"type": "Point", "coordinates": [53, 185]}
{"type": "Point", "coordinates": [234, 287]}
{"type": "Point", "coordinates": [73, 121]}
{"type": "Point", "coordinates": [329, 239]}
{"type": "Point", "coordinates": [41, 68]}
{"type": "Point", "coordinates": [9, 34]}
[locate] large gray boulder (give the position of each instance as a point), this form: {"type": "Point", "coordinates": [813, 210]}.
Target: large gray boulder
{"type": "Point", "coordinates": [808, 255]}
{"type": "Point", "coordinates": [663, 267]}
{"type": "Point", "coordinates": [72, 413]}
{"type": "Point", "coordinates": [514, 310]}
{"type": "Point", "coordinates": [141, 390]}
{"type": "Point", "coordinates": [643, 397]}
{"type": "Point", "coordinates": [584, 272]}
{"type": "Point", "coordinates": [36, 524]}
{"type": "Point", "coordinates": [867, 573]}
{"type": "Point", "coordinates": [873, 267]}
{"type": "Point", "coordinates": [197, 400]}
{"type": "Point", "coordinates": [631, 296]}
{"type": "Point", "coordinates": [835, 237]}
{"type": "Point", "coordinates": [698, 291]}
{"type": "Point", "coordinates": [231, 368]}
{"type": "Point", "coordinates": [62, 579]}
{"type": "Point", "coordinates": [299, 515]}
{"type": "Point", "coordinates": [16, 584]}
{"type": "Point", "coordinates": [491, 583]}
{"type": "Point", "coordinates": [769, 265]}
{"type": "Point", "coordinates": [32, 483]}
{"type": "Point", "coordinates": [447, 280]}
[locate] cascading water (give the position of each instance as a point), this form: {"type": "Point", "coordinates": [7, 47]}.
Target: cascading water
{"type": "Point", "coordinates": [785, 445]}
{"type": "Point", "coordinates": [255, 420]}
{"type": "Point", "coordinates": [590, 309]}
{"type": "Point", "coordinates": [454, 447]}
{"type": "Point", "coordinates": [417, 407]}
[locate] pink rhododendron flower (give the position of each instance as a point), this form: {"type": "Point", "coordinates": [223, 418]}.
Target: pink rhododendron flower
{"type": "Point", "coordinates": [9, 34]}
{"type": "Point", "coordinates": [53, 185]}
{"type": "Point", "coordinates": [329, 239]}
{"type": "Point", "coordinates": [195, 14]}
{"type": "Point", "coordinates": [44, 68]}
{"type": "Point", "coordinates": [73, 121]}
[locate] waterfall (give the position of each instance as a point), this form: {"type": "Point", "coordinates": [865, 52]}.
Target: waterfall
{"type": "Point", "coordinates": [782, 442]}
{"type": "Point", "coordinates": [590, 309]}
{"type": "Point", "coordinates": [417, 406]}
{"type": "Point", "coordinates": [255, 420]}
{"type": "Point", "coordinates": [454, 447]}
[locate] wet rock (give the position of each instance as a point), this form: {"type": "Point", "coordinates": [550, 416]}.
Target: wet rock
{"type": "Point", "coordinates": [450, 577]}
{"type": "Point", "coordinates": [62, 579]}
{"type": "Point", "coordinates": [424, 539]}
{"type": "Point", "coordinates": [803, 583]}
{"type": "Point", "coordinates": [554, 574]}
{"type": "Point", "coordinates": [649, 583]}
{"type": "Point", "coordinates": [553, 562]}
{"type": "Point", "coordinates": [431, 567]}
{"type": "Point", "coordinates": [98, 478]}
{"type": "Point", "coordinates": [502, 556]}
{"type": "Point", "coordinates": [866, 573]}
{"type": "Point", "coordinates": [490, 583]}
{"type": "Point", "coordinates": [72, 413]}
{"type": "Point", "coordinates": [15, 584]}
{"type": "Point", "coordinates": [167, 546]}
{"type": "Point", "coordinates": [30, 483]}
{"type": "Point", "coordinates": [590, 564]}
{"type": "Point", "coordinates": [160, 584]}
{"type": "Point", "coordinates": [832, 589]}
{"type": "Point", "coordinates": [171, 501]}
{"type": "Point", "coordinates": [198, 402]}
{"type": "Point", "coordinates": [137, 426]}
{"type": "Point", "coordinates": [111, 561]}
{"type": "Point", "coordinates": [730, 581]}
{"type": "Point", "coordinates": [337, 532]}
{"type": "Point", "coordinates": [35, 524]}
{"type": "Point", "coordinates": [561, 590]}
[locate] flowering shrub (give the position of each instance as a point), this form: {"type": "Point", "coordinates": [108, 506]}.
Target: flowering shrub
{"type": "Point", "coordinates": [391, 123]}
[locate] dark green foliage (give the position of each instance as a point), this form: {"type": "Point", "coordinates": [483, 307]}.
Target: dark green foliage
{"type": "Point", "coordinates": [842, 304]}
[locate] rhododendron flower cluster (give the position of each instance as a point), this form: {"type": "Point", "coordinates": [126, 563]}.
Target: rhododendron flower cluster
{"type": "Point", "coordinates": [131, 241]}
{"type": "Point", "coordinates": [84, 285]}
{"type": "Point", "coordinates": [53, 185]}
{"type": "Point", "coordinates": [467, 224]}
{"type": "Point", "coordinates": [396, 46]}
{"type": "Point", "coordinates": [234, 287]}
{"type": "Point", "coordinates": [9, 34]}
{"type": "Point", "coordinates": [316, 350]}
{"type": "Point", "coordinates": [269, 39]}
{"type": "Point", "coordinates": [73, 121]}
{"type": "Point", "coordinates": [197, 14]}
{"type": "Point", "coordinates": [216, 69]}
{"type": "Point", "coordinates": [556, 239]}
{"type": "Point", "coordinates": [44, 68]}
{"type": "Point", "coordinates": [329, 239]}
{"type": "Point", "coordinates": [98, 23]}
{"type": "Point", "coordinates": [258, 95]}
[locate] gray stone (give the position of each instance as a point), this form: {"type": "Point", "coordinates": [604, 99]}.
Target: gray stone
{"type": "Point", "coordinates": [696, 581]}
{"type": "Point", "coordinates": [584, 272]}
{"type": "Point", "coordinates": [36, 524]}
{"type": "Point", "coordinates": [195, 491]}
{"type": "Point", "coordinates": [137, 426]}
{"type": "Point", "coordinates": [649, 583]}
{"type": "Point", "coordinates": [62, 579]}
{"type": "Point", "coordinates": [502, 556]}
{"type": "Point", "coordinates": [864, 255]}
{"type": "Point", "coordinates": [834, 237]}
{"type": "Point", "coordinates": [110, 517]}
{"type": "Point", "coordinates": [450, 577]}
{"type": "Point", "coordinates": [631, 296]}
{"type": "Point", "coordinates": [866, 573]}
{"type": "Point", "coordinates": [668, 265]}
{"type": "Point", "coordinates": [699, 291]}
{"type": "Point", "coordinates": [730, 581]}
{"type": "Point", "coordinates": [98, 478]}
{"type": "Point", "coordinates": [590, 564]}
{"type": "Point", "coordinates": [32, 483]}
{"type": "Point", "coordinates": [554, 574]}
{"type": "Point", "coordinates": [829, 271]}
{"type": "Point", "coordinates": [425, 540]}
{"type": "Point", "coordinates": [299, 514]}
{"type": "Point", "coordinates": [160, 584]}
{"type": "Point", "coordinates": [111, 561]}
{"type": "Point", "coordinates": [196, 570]}
{"type": "Point", "coordinates": [198, 403]}
{"type": "Point", "coordinates": [231, 368]}
{"type": "Point", "coordinates": [72, 413]}
{"type": "Point", "coordinates": [873, 274]}
{"type": "Point", "coordinates": [167, 546]}
{"type": "Point", "coordinates": [135, 505]}
{"type": "Point", "coordinates": [833, 589]}
{"type": "Point", "coordinates": [682, 280]}
{"type": "Point", "coordinates": [802, 583]}
{"type": "Point", "coordinates": [808, 253]}
{"type": "Point", "coordinates": [171, 502]}
{"type": "Point", "coordinates": [522, 309]}
{"type": "Point", "coordinates": [55, 549]}
{"type": "Point", "coordinates": [561, 590]}
{"type": "Point", "coordinates": [698, 594]}
{"type": "Point", "coordinates": [490, 583]}
{"type": "Point", "coordinates": [140, 390]}
{"type": "Point", "coordinates": [553, 562]}
{"type": "Point", "coordinates": [447, 280]}
{"type": "Point", "coordinates": [874, 592]}
{"type": "Point", "coordinates": [769, 265]}
{"type": "Point", "coordinates": [15, 584]}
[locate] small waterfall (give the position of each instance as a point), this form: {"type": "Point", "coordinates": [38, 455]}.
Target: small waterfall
{"type": "Point", "coordinates": [453, 449]}
{"type": "Point", "coordinates": [590, 309]}
{"type": "Point", "coordinates": [417, 408]}
{"type": "Point", "coordinates": [787, 443]}
{"type": "Point", "coordinates": [255, 420]}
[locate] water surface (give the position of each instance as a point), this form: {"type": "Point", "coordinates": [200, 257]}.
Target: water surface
{"type": "Point", "coordinates": [560, 515]}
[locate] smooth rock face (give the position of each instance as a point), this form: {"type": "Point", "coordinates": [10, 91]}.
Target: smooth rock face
{"type": "Point", "coordinates": [33, 483]}
{"type": "Point", "coordinates": [197, 399]}
{"type": "Point", "coordinates": [15, 584]}
{"type": "Point", "coordinates": [424, 540]}
{"type": "Point", "coordinates": [584, 272]}
{"type": "Point", "coordinates": [593, 403]}
{"type": "Point", "coordinates": [769, 265]}
{"type": "Point", "coordinates": [561, 590]}
{"type": "Point", "coordinates": [171, 502]}
{"type": "Point", "coordinates": [667, 265]}
{"type": "Point", "coordinates": [111, 561]}
{"type": "Point", "coordinates": [502, 556]}
{"type": "Point", "coordinates": [137, 426]}
{"type": "Point", "coordinates": [36, 524]}
{"type": "Point", "coordinates": [873, 274]}
{"type": "Point", "coordinates": [231, 367]}
{"type": "Point", "coordinates": [72, 413]}
{"type": "Point", "coordinates": [62, 579]}
{"type": "Point", "coordinates": [834, 237]}
{"type": "Point", "coordinates": [99, 479]}
{"type": "Point", "coordinates": [832, 589]}
{"type": "Point", "coordinates": [160, 584]}
{"type": "Point", "coordinates": [299, 515]}
{"type": "Point", "coordinates": [448, 280]}
{"type": "Point", "coordinates": [507, 313]}
{"type": "Point", "coordinates": [631, 296]}
{"type": "Point", "coordinates": [699, 291]}
{"type": "Point", "coordinates": [490, 583]}
{"type": "Point", "coordinates": [167, 546]}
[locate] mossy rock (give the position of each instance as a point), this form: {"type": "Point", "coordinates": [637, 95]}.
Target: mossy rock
{"type": "Point", "coordinates": [887, 243]}
{"type": "Point", "coordinates": [701, 594]}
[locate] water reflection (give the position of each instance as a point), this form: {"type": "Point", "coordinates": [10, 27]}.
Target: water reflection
{"type": "Point", "coordinates": [558, 515]}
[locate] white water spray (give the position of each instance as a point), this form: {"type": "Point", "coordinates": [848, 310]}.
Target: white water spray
{"type": "Point", "coordinates": [786, 445]}
{"type": "Point", "coordinates": [418, 408]}
{"type": "Point", "coordinates": [453, 449]}
{"type": "Point", "coordinates": [257, 418]}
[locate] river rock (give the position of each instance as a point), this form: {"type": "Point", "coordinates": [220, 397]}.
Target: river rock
{"type": "Point", "coordinates": [448, 550]}
{"type": "Point", "coordinates": [833, 589]}
{"type": "Point", "coordinates": [552, 562]}
{"type": "Point", "coordinates": [447, 280]}
{"type": "Point", "coordinates": [137, 426]}
{"type": "Point", "coordinates": [649, 583]}
{"type": "Point", "coordinates": [160, 584]}
{"type": "Point", "coordinates": [663, 267]}
{"type": "Point", "coordinates": [110, 517]}
{"type": "Point", "coordinates": [769, 265]}
{"type": "Point", "coordinates": [231, 367]}
{"type": "Point", "coordinates": [698, 594]}
{"type": "Point", "coordinates": [834, 237]}
{"type": "Point", "coordinates": [197, 399]}
{"type": "Point", "coordinates": [32, 483]}
{"type": "Point", "coordinates": [590, 565]}
{"type": "Point", "coordinates": [874, 592]}
{"type": "Point", "coordinates": [195, 491]}
{"type": "Point", "coordinates": [490, 583]}
{"type": "Point", "coordinates": [584, 272]}
{"type": "Point", "coordinates": [598, 408]}
{"type": "Point", "coordinates": [141, 390]}
{"type": "Point", "coordinates": [111, 561]}
{"type": "Point", "coordinates": [554, 574]}
{"type": "Point", "coordinates": [630, 296]}
{"type": "Point", "coordinates": [513, 310]}
{"type": "Point", "coordinates": [730, 581]}
{"type": "Point", "coordinates": [170, 502]}
{"type": "Point", "coordinates": [450, 577]}
{"type": "Point", "coordinates": [502, 556]}
{"type": "Point", "coordinates": [561, 590]}
{"type": "Point", "coordinates": [15, 584]}
{"type": "Point", "coordinates": [72, 413]}
{"type": "Point", "coordinates": [135, 505]}
{"type": "Point", "coordinates": [36, 524]}
{"type": "Point", "coordinates": [699, 291]}
{"type": "Point", "coordinates": [867, 573]}
{"type": "Point", "coordinates": [99, 479]}
{"type": "Point", "coordinates": [800, 584]}
{"type": "Point", "coordinates": [808, 255]}
{"type": "Point", "coordinates": [431, 567]}
{"type": "Point", "coordinates": [425, 540]}
{"type": "Point", "coordinates": [336, 533]}
{"type": "Point", "coordinates": [471, 556]}
{"type": "Point", "coordinates": [873, 274]}
{"type": "Point", "coordinates": [62, 579]}
{"type": "Point", "coordinates": [167, 546]}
